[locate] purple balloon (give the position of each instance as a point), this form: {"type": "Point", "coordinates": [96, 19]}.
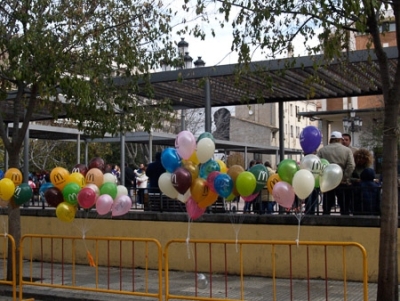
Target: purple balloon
{"type": "Point", "coordinates": [310, 139]}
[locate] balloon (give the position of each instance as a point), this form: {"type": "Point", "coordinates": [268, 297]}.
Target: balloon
{"type": "Point", "coordinates": [230, 198]}
{"type": "Point", "coordinates": [15, 175]}
{"type": "Point", "coordinates": [121, 190]}
{"type": "Point", "coordinates": [65, 212]}
{"type": "Point", "coordinates": [191, 167]}
{"type": "Point", "coordinates": [104, 204]}
{"type": "Point", "coordinates": [312, 163]}
{"type": "Point", "coordinates": [184, 197]}
{"type": "Point", "coordinates": [310, 139]}
{"type": "Point", "coordinates": [208, 167]}
{"type": "Point", "coordinates": [70, 193]}
{"type": "Point", "coordinates": [303, 183]}
{"type": "Point", "coordinates": [94, 188]}
{"type": "Point", "coordinates": [7, 188]}
{"type": "Point", "coordinates": [1, 174]}
{"type": "Point", "coordinates": [234, 172]}
{"type": "Point", "coordinates": [205, 149]}
{"type": "Point", "coordinates": [223, 185]}
{"type": "Point", "coordinates": [260, 172]}
{"type": "Point", "coordinates": [53, 196]}
{"type": "Point", "coordinates": [86, 198]}
{"type": "Point", "coordinates": [23, 193]}
{"type": "Point", "coordinates": [324, 163]}
{"type": "Point", "coordinates": [80, 168]}
{"type": "Point", "coordinates": [165, 184]}
{"type": "Point", "coordinates": [94, 176]}
{"type": "Point", "coordinates": [286, 170]}
{"type": "Point", "coordinates": [59, 177]}
{"type": "Point", "coordinates": [170, 159]}
{"type": "Point", "coordinates": [43, 188]}
{"type": "Point", "coordinates": [199, 189]}
{"type": "Point", "coordinates": [222, 166]}
{"type": "Point", "coordinates": [193, 158]}
{"type": "Point", "coordinates": [193, 210]}
{"type": "Point", "coordinates": [283, 194]}
{"type": "Point", "coordinates": [272, 180]}
{"type": "Point", "coordinates": [250, 197]}
{"type": "Point", "coordinates": [209, 199]}
{"type": "Point", "coordinates": [181, 179]}
{"type": "Point", "coordinates": [185, 144]}
{"type": "Point", "coordinates": [206, 135]}
{"type": "Point", "coordinates": [97, 163]}
{"type": "Point", "coordinates": [78, 178]}
{"type": "Point", "coordinates": [246, 183]}
{"type": "Point", "coordinates": [121, 205]}
{"type": "Point", "coordinates": [330, 177]}
{"type": "Point", "coordinates": [211, 178]}
{"type": "Point", "coordinates": [109, 188]}
{"type": "Point", "coordinates": [109, 177]}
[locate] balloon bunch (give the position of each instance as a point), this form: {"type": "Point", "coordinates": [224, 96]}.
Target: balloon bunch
{"type": "Point", "coordinates": [195, 178]}
{"type": "Point", "coordinates": [11, 187]}
{"type": "Point", "coordinates": [87, 188]}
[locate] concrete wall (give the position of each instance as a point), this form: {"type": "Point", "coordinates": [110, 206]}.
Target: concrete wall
{"type": "Point", "coordinates": [165, 227]}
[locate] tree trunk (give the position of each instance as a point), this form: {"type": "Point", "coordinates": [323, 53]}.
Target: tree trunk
{"type": "Point", "coordinates": [388, 273]}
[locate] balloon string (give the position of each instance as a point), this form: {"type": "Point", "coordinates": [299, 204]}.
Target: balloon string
{"type": "Point", "coordinates": [298, 232]}
{"type": "Point", "coordinates": [188, 237]}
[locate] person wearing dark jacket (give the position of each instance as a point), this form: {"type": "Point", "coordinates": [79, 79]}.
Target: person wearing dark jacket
{"type": "Point", "coordinates": [154, 170]}
{"type": "Point", "coordinates": [370, 193]}
{"type": "Point", "coordinates": [130, 179]}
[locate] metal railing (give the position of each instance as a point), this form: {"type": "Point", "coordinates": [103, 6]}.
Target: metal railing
{"type": "Point", "coordinates": [8, 243]}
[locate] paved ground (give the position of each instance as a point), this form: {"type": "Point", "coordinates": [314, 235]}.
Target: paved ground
{"type": "Point", "coordinates": [184, 283]}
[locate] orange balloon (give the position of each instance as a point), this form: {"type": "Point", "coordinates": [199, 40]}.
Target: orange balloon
{"type": "Point", "coordinates": [15, 175]}
{"type": "Point", "coordinates": [234, 172]}
{"type": "Point", "coordinates": [208, 200]}
{"type": "Point", "coordinates": [199, 189]}
{"type": "Point", "coordinates": [59, 177]}
{"type": "Point", "coordinates": [192, 168]}
{"type": "Point", "coordinates": [272, 180]}
{"type": "Point", "coordinates": [78, 178]}
{"type": "Point", "coordinates": [95, 176]}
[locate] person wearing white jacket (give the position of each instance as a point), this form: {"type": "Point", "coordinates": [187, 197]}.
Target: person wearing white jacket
{"type": "Point", "coordinates": [141, 183]}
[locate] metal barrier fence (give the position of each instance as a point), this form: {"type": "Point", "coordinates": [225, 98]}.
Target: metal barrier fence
{"type": "Point", "coordinates": [219, 270]}
{"type": "Point", "coordinates": [114, 265]}
{"type": "Point", "coordinates": [6, 243]}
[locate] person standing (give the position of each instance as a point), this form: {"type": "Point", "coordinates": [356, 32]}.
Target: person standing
{"type": "Point", "coordinates": [336, 152]}
{"type": "Point", "coordinates": [248, 205]}
{"type": "Point", "coordinates": [267, 200]}
{"type": "Point", "coordinates": [141, 183]}
{"type": "Point", "coordinates": [347, 142]}
{"type": "Point", "coordinates": [130, 179]}
{"type": "Point", "coordinates": [154, 170]}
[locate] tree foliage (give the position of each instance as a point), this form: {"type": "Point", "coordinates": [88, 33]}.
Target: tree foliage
{"type": "Point", "coordinates": [328, 27]}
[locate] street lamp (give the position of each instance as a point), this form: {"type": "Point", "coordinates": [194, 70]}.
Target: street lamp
{"type": "Point", "coordinates": [352, 123]}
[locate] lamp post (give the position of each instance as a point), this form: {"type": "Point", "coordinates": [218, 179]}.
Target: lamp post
{"type": "Point", "coordinates": [352, 123]}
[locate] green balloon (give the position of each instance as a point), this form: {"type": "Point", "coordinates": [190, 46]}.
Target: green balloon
{"type": "Point", "coordinates": [70, 193]}
{"type": "Point", "coordinates": [286, 170]}
{"type": "Point", "coordinates": [261, 174]}
{"type": "Point", "coordinates": [246, 183]}
{"type": "Point", "coordinates": [110, 189]}
{"type": "Point", "coordinates": [22, 194]}
{"type": "Point", "coordinates": [206, 135]}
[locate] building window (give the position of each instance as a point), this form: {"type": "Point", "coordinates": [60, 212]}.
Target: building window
{"type": "Point", "coordinates": [291, 109]}
{"type": "Point", "coordinates": [297, 132]}
{"type": "Point", "coordinates": [291, 131]}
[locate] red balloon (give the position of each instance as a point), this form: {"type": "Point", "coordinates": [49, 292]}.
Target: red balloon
{"type": "Point", "coordinates": [87, 198]}
{"type": "Point", "coordinates": [97, 162]}
{"type": "Point", "coordinates": [53, 196]}
{"type": "Point", "coordinates": [210, 179]}
{"type": "Point", "coordinates": [181, 179]}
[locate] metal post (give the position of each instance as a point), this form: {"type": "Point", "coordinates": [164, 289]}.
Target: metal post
{"type": "Point", "coordinates": [281, 133]}
{"type": "Point", "coordinates": [26, 156]}
{"type": "Point", "coordinates": [207, 108]}
{"type": "Point", "coordinates": [78, 149]}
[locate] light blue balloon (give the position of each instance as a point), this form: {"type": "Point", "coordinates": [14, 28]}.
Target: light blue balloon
{"type": "Point", "coordinates": [43, 189]}
{"type": "Point", "coordinates": [170, 159]}
{"type": "Point", "coordinates": [208, 167]}
{"type": "Point", "coordinates": [223, 185]}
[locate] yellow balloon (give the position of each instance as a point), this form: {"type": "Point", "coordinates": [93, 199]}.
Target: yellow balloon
{"type": "Point", "coordinates": [272, 180]}
{"type": "Point", "coordinates": [78, 178]}
{"type": "Point", "coordinates": [7, 189]}
{"type": "Point", "coordinates": [59, 177]}
{"type": "Point", "coordinates": [199, 189]}
{"type": "Point", "coordinates": [222, 166]}
{"type": "Point", "coordinates": [194, 158]}
{"type": "Point", "coordinates": [15, 175]}
{"type": "Point", "coordinates": [65, 212]}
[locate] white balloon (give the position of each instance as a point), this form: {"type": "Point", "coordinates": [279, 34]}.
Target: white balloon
{"type": "Point", "coordinates": [121, 190]}
{"type": "Point", "coordinates": [109, 177]}
{"type": "Point", "coordinates": [303, 183]}
{"type": "Point", "coordinates": [205, 149]}
{"type": "Point", "coordinates": [330, 177]}
{"type": "Point", "coordinates": [312, 163]}
{"type": "Point", "coordinates": [94, 187]}
{"type": "Point", "coordinates": [165, 184]}
{"type": "Point", "coordinates": [184, 197]}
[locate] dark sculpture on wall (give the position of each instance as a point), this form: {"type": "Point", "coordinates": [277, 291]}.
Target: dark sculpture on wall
{"type": "Point", "coordinates": [222, 119]}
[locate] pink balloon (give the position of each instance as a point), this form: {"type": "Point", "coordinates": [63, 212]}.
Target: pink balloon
{"type": "Point", "coordinates": [283, 194]}
{"type": "Point", "coordinates": [185, 144]}
{"type": "Point", "coordinates": [193, 210]}
{"type": "Point", "coordinates": [86, 198]}
{"type": "Point", "coordinates": [104, 204]}
{"type": "Point", "coordinates": [210, 179]}
{"type": "Point", "coordinates": [250, 197]}
{"type": "Point", "coordinates": [122, 205]}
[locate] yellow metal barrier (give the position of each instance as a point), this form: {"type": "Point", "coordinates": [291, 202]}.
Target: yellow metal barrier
{"type": "Point", "coordinates": [6, 243]}
{"type": "Point", "coordinates": [278, 270]}
{"type": "Point", "coordinates": [113, 265]}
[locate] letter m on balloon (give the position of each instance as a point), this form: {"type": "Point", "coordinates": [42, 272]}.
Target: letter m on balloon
{"type": "Point", "coordinates": [263, 176]}
{"type": "Point", "coordinates": [58, 178]}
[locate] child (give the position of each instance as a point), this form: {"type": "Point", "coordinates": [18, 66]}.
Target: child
{"type": "Point", "coordinates": [370, 192]}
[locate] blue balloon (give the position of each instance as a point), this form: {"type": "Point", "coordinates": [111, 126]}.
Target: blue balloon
{"type": "Point", "coordinates": [170, 159]}
{"type": "Point", "coordinates": [1, 174]}
{"type": "Point", "coordinates": [310, 139]}
{"type": "Point", "coordinates": [223, 185]}
{"type": "Point", "coordinates": [43, 189]}
{"type": "Point", "coordinates": [208, 167]}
